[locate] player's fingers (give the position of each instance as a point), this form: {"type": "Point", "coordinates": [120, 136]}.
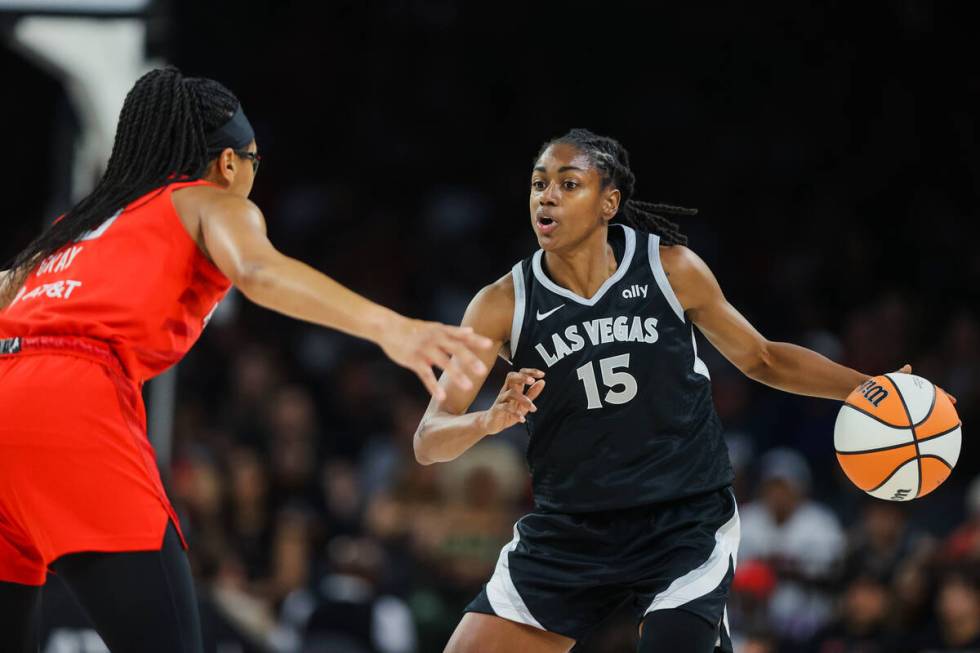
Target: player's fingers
{"type": "Point", "coordinates": [905, 369]}
{"type": "Point", "coordinates": [466, 358]}
{"type": "Point", "coordinates": [442, 360]}
{"type": "Point", "coordinates": [530, 371]}
{"type": "Point", "coordinates": [535, 390]}
{"type": "Point", "coordinates": [458, 375]}
{"type": "Point", "coordinates": [510, 414]}
{"type": "Point", "coordinates": [951, 397]}
{"type": "Point", "coordinates": [517, 416]}
{"type": "Point", "coordinates": [437, 357]}
{"type": "Point", "coordinates": [450, 365]}
{"type": "Point", "coordinates": [516, 381]}
{"type": "Point", "coordinates": [424, 372]}
{"type": "Point", "coordinates": [518, 398]}
{"type": "Point", "coordinates": [524, 404]}
{"type": "Point", "coordinates": [469, 338]}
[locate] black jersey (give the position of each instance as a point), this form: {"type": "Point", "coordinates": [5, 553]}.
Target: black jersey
{"type": "Point", "coordinates": [626, 416]}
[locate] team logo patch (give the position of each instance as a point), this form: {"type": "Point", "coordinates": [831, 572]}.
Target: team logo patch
{"type": "Point", "coordinates": [10, 346]}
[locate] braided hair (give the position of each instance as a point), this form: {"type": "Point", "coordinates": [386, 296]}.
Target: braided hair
{"type": "Point", "coordinates": [612, 161]}
{"type": "Point", "coordinates": [161, 138]}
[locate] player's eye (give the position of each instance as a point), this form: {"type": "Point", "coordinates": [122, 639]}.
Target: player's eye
{"type": "Point", "coordinates": [538, 184]}
{"type": "Point", "coordinates": [570, 184]}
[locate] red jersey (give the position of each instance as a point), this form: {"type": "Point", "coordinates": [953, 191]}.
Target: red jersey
{"type": "Point", "coordinates": [139, 283]}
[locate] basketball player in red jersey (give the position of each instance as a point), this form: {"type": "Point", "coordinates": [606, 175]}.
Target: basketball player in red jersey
{"type": "Point", "coordinates": [114, 293]}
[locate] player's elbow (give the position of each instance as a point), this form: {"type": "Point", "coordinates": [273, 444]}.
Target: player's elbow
{"type": "Point", "coordinates": [252, 277]}
{"type": "Point", "coordinates": [759, 364]}
{"type": "Point", "coordinates": [422, 456]}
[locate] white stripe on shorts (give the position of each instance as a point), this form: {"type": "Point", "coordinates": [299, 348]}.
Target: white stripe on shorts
{"type": "Point", "coordinates": [700, 581]}
{"type": "Point", "coordinates": [503, 595]}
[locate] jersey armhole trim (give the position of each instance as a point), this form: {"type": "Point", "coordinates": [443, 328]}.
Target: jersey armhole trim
{"type": "Point", "coordinates": [517, 273]}
{"type": "Point", "coordinates": [699, 366]}
{"type": "Point", "coordinates": [653, 253]}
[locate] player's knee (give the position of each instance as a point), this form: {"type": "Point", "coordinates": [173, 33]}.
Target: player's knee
{"type": "Point", "coordinates": [676, 631]}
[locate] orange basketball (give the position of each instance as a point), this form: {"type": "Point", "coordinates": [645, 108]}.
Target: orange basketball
{"type": "Point", "coordinates": [897, 437]}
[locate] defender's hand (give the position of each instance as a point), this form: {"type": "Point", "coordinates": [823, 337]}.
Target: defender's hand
{"type": "Point", "coordinates": [419, 345]}
{"type": "Point", "coordinates": [516, 399]}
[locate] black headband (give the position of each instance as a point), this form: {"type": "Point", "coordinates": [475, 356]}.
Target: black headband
{"type": "Point", "coordinates": [236, 133]}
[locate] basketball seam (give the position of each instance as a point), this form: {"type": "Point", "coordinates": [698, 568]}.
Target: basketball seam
{"type": "Point", "coordinates": [939, 435]}
{"type": "Point", "coordinates": [939, 458]}
{"type": "Point", "coordinates": [878, 419]}
{"type": "Point", "coordinates": [908, 413]}
{"type": "Point", "coordinates": [878, 450]}
{"type": "Point", "coordinates": [932, 407]}
{"type": "Point", "coordinates": [899, 446]}
{"type": "Point", "coordinates": [894, 471]}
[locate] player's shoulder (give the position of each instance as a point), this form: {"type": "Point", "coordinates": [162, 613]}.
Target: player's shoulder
{"type": "Point", "coordinates": [496, 297]}
{"type": "Point", "coordinates": [492, 309]}
{"type": "Point", "coordinates": [688, 275]}
{"type": "Point", "coordinates": [680, 260]}
{"type": "Point", "coordinates": [212, 199]}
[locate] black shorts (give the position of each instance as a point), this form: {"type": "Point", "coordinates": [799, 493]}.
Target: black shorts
{"type": "Point", "coordinates": [565, 573]}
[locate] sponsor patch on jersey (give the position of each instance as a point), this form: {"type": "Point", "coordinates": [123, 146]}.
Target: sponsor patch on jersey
{"type": "Point", "coordinates": [636, 291]}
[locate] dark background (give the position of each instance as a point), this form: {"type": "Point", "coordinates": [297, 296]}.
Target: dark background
{"type": "Point", "coordinates": [832, 149]}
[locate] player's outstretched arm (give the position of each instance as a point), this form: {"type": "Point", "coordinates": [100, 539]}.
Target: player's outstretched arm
{"type": "Point", "coordinates": [233, 231]}
{"type": "Point", "coordinates": [778, 364]}
{"type": "Point", "coordinates": [446, 429]}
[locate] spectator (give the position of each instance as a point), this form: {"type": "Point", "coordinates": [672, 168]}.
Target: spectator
{"type": "Point", "coordinates": [964, 543]}
{"type": "Point", "coordinates": [344, 611]}
{"type": "Point", "coordinates": [957, 627]}
{"type": "Point", "coordinates": [799, 538]}
{"type": "Point", "coordinates": [881, 540]}
{"type": "Point", "coordinates": [862, 623]}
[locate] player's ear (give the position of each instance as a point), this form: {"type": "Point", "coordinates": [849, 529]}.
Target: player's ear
{"type": "Point", "coordinates": [228, 164]}
{"type": "Point", "coordinates": [610, 203]}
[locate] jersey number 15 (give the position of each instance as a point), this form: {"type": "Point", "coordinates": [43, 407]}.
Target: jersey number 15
{"type": "Point", "coordinates": [612, 378]}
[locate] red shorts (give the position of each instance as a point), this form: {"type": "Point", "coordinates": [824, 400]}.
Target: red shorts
{"type": "Point", "coordinates": [77, 472]}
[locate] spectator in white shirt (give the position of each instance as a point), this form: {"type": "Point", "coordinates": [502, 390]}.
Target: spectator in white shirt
{"type": "Point", "coordinates": [802, 540]}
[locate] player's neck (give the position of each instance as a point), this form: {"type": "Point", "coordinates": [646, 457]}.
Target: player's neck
{"type": "Point", "coordinates": [583, 268]}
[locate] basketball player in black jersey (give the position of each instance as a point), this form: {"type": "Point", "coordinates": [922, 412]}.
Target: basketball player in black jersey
{"type": "Point", "coordinates": [631, 476]}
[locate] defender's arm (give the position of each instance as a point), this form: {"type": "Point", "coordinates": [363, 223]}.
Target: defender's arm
{"type": "Point", "coordinates": [234, 235]}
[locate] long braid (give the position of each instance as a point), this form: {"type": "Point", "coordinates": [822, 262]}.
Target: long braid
{"type": "Point", "coordinates": [613, 162]}
{"type": "Point", "coordinates": [161, 137]}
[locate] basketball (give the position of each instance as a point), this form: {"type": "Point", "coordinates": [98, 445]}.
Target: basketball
{"type": "Point", "coordinates": [897, 436]}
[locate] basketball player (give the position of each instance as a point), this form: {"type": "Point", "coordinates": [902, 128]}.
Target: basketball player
{"type": "Point", "coordinates": [631, 477]}
{"type": "Point", "coordinates": [111, 295]}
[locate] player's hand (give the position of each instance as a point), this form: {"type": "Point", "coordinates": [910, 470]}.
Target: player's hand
{"type": "Point", "coordinates": [907, 369]}
{"type": "Point", "coordinates": [515, 401]}
{"type": "Point", "coordinates": [420, 346]}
